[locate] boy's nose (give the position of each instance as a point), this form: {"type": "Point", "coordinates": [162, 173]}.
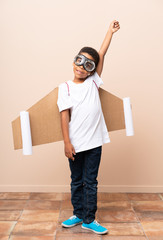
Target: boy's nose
{"type": "Point", "coordinates": [81, 66]}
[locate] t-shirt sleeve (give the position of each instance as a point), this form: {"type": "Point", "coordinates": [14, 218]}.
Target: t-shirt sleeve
{"type": "Point", "coordinates": [97, 79]}
{"type": "Point", "coordinates": [64, 100]}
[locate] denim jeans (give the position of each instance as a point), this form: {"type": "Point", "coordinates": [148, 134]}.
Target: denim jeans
{"type": "Point", "coordinates": [84, 172]}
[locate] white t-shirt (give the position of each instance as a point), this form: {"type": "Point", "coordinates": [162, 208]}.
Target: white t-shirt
{"type": "Point", "coordinates": [87, 128]}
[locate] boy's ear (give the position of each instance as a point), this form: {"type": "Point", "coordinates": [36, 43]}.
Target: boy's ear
{"type": "Point", "coordinates": [93, 72]}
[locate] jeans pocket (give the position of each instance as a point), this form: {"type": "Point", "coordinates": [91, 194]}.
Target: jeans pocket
{"type": "Point", "coordinates": [75, 157]}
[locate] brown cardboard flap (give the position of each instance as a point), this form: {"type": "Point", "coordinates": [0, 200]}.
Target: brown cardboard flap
{"type": "Point", "coordinates": [113, 111]}
{"type": "Point", "coordinates": [45, 118]}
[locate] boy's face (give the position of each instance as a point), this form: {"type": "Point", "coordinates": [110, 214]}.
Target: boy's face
{"type": "Point", "coordinates": [79, 71]}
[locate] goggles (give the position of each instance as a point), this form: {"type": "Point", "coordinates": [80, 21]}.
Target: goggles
{"type": "Point", "coordinates": [88, 64]}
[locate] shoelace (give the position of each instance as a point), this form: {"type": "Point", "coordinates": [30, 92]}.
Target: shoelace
{"type": "Point", "coordinates": [72, 217]}
{"type": "Point", "coordinates": [96, 223]}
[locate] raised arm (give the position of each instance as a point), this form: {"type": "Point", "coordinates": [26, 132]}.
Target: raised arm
{"type": "Point", "coordinates": [114, 26]}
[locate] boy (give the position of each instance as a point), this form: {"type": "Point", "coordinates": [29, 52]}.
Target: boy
{"type": "Point", "coordinates": [85, 134]}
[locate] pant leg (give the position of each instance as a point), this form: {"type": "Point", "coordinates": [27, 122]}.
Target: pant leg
{"type": "Point", "coordinates": [76, 168]}
{"type": "Point", "coordinates": [90, 173]}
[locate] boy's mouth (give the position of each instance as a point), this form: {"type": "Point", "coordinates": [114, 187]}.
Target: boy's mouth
{"type": "Point", "coordinates": [79, 72]}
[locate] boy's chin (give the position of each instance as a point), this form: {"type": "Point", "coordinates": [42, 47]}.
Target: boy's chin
{"type": "Point", "coordinates": [80, 77]}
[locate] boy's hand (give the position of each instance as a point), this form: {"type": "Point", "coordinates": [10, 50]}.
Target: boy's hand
{"type": "Point", "coordinates": [114, 26]}
{"type": "Point", "coordinates": [69, 150]}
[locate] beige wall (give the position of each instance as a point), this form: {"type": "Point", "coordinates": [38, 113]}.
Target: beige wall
{"type": "Point", "coordinates": [38, 42]}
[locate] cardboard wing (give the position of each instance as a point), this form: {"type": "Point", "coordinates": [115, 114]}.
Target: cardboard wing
{"type": "Point", "coordinates": [45, 121]}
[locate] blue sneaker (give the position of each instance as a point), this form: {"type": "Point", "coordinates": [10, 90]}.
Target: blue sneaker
{"type": "Point", "coordinates": [95, 227]}
{"type": "Point", "coordinates": [72, 221]}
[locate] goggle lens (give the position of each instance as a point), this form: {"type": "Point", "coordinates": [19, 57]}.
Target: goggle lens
{"type": "Point", "coordinates": [78, 60]}
{"type": "Point", "coordinates": [89, 66]}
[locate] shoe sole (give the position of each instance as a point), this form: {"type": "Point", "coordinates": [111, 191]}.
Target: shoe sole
{"type": "Point", "coordinates": [67, 226]}
{"type": "Point", "coordinates": [95, 231]}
